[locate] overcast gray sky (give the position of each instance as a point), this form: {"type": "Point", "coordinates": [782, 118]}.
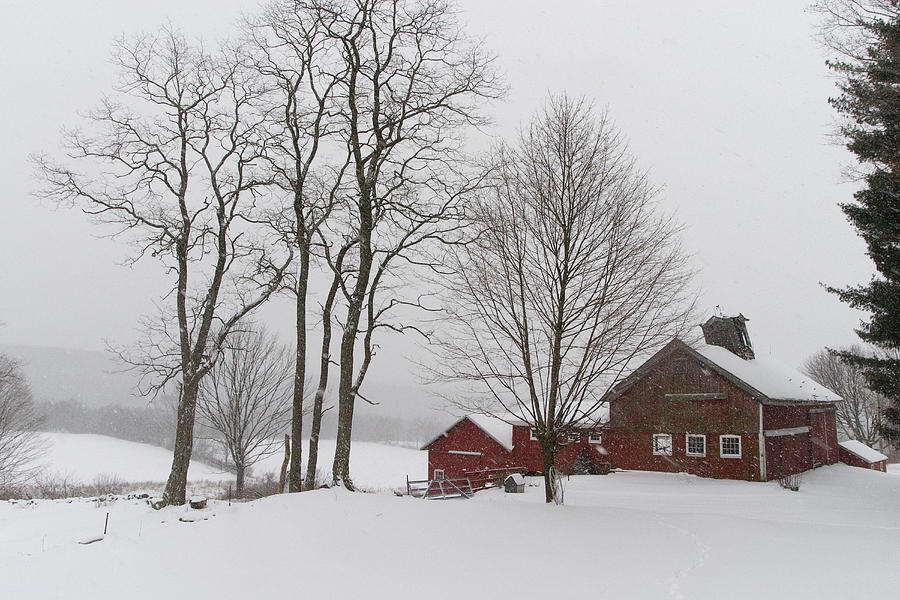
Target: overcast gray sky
{"type": "Point", "coordinates": [725, 103]}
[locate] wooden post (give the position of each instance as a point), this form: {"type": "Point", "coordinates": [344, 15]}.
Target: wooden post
{"type": "Point", "coordinates": [105, 525]}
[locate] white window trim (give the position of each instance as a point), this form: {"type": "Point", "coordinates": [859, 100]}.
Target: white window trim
{"type": "Point", "coordinates": [740, 452]}
{"type": "Point", "coordinates": [531, 435]}
{"type": "Point", "coordinates": [436, 478]}
{"type": "Point", "coordinates": [687, 437]}
{"type": "Point", "coordinates": [657, 453]}
{"type": "Point", "coordinates": [573, 437]}
{"type": "Point", "coordinates": [597, 435]}
{"type": "Point", "coordinates": [464, 452]}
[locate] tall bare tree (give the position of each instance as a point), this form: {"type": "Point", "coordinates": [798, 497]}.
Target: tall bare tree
{"type": "Point", "coordinates": [574, 273]}
{"type": "Point", "coordinates": [336, 263]}
{"type": "Point", "coordinates": [246, 398]}
{"type": "Point", "coordinates": [859, 413]}
{"type": "Point", "coordinates": [172, 161]}
{"type": "Point", "coordinates": [20, 445]}
{"type": "Point", "coordinates": [410, 80]}
{"type": "Point", "coordinates": [291, 52]}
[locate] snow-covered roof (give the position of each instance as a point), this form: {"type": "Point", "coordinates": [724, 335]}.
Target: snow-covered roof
{"type": "Point", "coordinates": [768, 376]}
{"type": "Point", "coordinates": [866, 453]}
{"type": "Point", "coordinates": [517, 478]}
{"type": "Point", "coordinates": [501, 431]}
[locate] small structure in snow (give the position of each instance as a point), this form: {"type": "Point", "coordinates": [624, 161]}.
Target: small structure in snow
{"type": "Point", "coordinates": [198, 502]}
{"type": "Point", "coordinates": [857, 454]}
{"type": "Point", "coordinates": [514, 484]}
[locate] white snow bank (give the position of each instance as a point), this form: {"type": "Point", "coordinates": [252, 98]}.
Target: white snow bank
{"type": "Point", "coordinates": [863, 451]}
{"type": "Point", "coordinates": [772, 378]}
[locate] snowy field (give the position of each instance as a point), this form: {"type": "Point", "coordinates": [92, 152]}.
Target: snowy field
{"type": "Point", "coordinates": [84, 458]}
{"type": "Point", "coordinates": [626, 535]}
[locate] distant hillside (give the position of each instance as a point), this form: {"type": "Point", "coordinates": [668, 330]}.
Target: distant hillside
{"type": "Point", "coordinates": [95, 379]}
{"type": "Point", "coordinates": [91, 378]}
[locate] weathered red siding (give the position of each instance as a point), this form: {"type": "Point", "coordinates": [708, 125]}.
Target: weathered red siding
{"type": "Point", "coordinates": [466, 437]}
{"type": "Point", "coordinates": [643, 410]}
{"type": "Point", "coordinates": [795, 453]}
{"type": "Point", "coordinates": [527, 452]}
{"type": "Point", "coordinates": [454, 452]}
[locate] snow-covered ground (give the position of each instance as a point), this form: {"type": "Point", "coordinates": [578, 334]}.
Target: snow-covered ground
{"type": "Point", "coordinates": [83, 458]}
{"type": "Point", "coordinates": [626, 535]}
{"type": "Point", "coordinates": [373, 466]}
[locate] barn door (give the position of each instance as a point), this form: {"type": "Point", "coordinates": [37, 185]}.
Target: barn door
{"type": "Point", "coordinates": [819, 434]}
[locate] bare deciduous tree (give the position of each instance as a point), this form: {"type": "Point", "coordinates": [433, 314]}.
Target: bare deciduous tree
{"type": "Point", "coordinates": [20, 445]}
{"type": "Point", "coordinates": [574, 274]}
{"type": "Point", "coordinates": [859, 413]}
{"type": "Point", "coordinates": [173, 162]}
{"type": "Point", "coordinates": [246, 398]}
{"type": "Point", "coordinates": [410, 80]}
{"type": "Point", "coordinates": [290, 52]}
{"type": "Point", "coordinates": [845, 25]}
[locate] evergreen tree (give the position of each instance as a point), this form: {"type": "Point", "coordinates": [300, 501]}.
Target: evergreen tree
{"type": "Point", "coordinates": [870, 99]}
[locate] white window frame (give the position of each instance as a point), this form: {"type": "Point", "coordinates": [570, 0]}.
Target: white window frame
{"type": "Point", "coordinates": [531, 435]}
{"type": "Point", "coordinates": [687, 449]}
{"type": "Point", "coordinates": [740, 448]}
{"type": "Point", "coordinates": [662, 452]}
{"type": "Point", "coordinates": [436, 478]}
{"type": "Point", "coordinates": [595, 437]}
{"type": "Point", "coordinates": [573, 437]}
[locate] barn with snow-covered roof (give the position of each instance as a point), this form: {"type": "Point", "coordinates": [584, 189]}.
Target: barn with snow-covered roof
{"type": "Point", "coordinates": [717, 410]}
{"type": "Point", "coordinates": [713, 409]}
{"type": "Point", "coordinates": [483, 448]}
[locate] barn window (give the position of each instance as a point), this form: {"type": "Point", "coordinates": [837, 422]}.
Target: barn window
{"type": "Point", "coordinates": [596, 438]}
{"type": "Point", "coordinates": [730, 446]}
{"type": "Point", "coordinates": [438, 474]}
{"type": "Point", "coordinates": [696, 445]}
{"type": "Point", "coordinates": [574, 436]}
{"type": "Point", "coordinates": [662, 444]}
{"type": "Point", "coordinates": [533, 433]}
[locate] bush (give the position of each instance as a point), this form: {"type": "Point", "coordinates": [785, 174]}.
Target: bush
{"type": "Point", "coordinates": [791, 482]}
{"type": "Point", "coordinates": [105, 484]}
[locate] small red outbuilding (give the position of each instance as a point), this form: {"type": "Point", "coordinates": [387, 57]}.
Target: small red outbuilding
{"type": "Point", "coordinates": [857, 454]}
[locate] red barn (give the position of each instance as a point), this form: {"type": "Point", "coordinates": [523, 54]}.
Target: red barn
{"type": "Point", "coordinates": [857, 454]}
{"type": "Point", "coordinates": [717, 410]}
{"type": "Point", "coordinates": [714, 410]}
{"type": "Point", "coordinates": [476, 446]}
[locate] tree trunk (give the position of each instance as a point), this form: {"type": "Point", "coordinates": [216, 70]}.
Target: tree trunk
{"type": "Point", "coordinates": [239, 470]}
{"type": "Point", "coordinates": [295, 480]}
{"type": "Point", "coordinates": [324, 366]}
{"type": "Point", "coordinates": [346, 391]}
{"type": "Point", "coordinates": [176, 486]}
{"type": "Point", "coordinates": [548, 457]}
{"type": "Point", "coordinates": [282, 479]}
